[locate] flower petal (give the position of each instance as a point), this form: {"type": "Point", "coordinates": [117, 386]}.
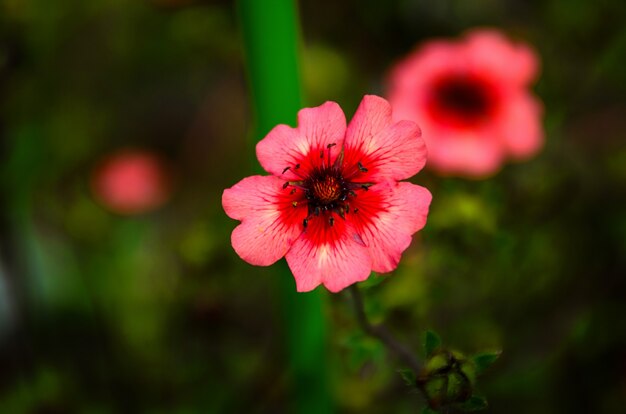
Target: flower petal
{"type": "Point", "coordinates": [473, 153]}
{"type": "Point", "coordinates": [388, 150]}
{"type": "Point", "coordinates": [285, 146]}
{"type": "Point", "coordinates": [388, 216]}
{"type": "Point", "coordinates": [488, 51]}
{"type": "Point", "coordinates": [270, 224]}
{"type": "Point", "coordinates": [430, 60]}
{"type": "Point", "coordinates": [332, 255]}
{"type": "Point", "coordinates": [521, 126]}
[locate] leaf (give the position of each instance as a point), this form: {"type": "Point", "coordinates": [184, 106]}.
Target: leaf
{"type": "Point", "coordinates": [484, 360]}
{"type": "Point", "coordinates": [408, 376]}
{"type": "Point", "coordinates": [475, 403]}
{"type": "Point", "coordinates": [428, 410]}
{"type": "Point", "coordinates": [431, 342]}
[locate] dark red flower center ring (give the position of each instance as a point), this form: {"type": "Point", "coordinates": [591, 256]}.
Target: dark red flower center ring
{"type": "Point", "coordinates": [328, 188]}
{"type": "Point", "coordinates": [463, 100]}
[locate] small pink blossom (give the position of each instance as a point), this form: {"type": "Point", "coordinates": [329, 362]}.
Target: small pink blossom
{"type": "Point", "coordinates": [131, 182]}
{"type": "Point", "coordinates": [333, 205]}
{"type": "Point", "coordinates": [472, 101]}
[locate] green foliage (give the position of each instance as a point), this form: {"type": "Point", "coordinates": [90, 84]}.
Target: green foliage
{"type": "Point", "coordinates": [372, 281]}
{"type": "Point", "coordinates": [468, 370]}
{"type": "Point", "coordinates": [474, 403]}
{"type": "Point", "coordinates": [408, 376]}
{"type": "Point", "coordinates": [448, 378]}
{"type": "Point", "coordinates": [484, 360]}
{"type": "Point", "coordinates": [437, 363]}
{"type": "Point", "coordinates": [443, 380]}
{"type": "Point", "coordinates": [432, 342]}
{"type": "Point", "coordinates": [363, 350]}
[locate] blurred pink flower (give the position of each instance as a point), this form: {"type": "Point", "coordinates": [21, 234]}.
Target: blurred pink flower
{"type": "Point", "coordinates": [131, 182]}
{"type": "Point", "coordinates": [472, 101]}
{"type": "Point", "coordinates": [333, 205]}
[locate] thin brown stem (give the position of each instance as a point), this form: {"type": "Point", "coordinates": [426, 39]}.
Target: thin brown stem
{"type": "Point", "coordinates": [381, 333]}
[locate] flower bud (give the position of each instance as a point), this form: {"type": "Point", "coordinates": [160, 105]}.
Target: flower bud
{"type": "Point", "coordinates": [447, 378]}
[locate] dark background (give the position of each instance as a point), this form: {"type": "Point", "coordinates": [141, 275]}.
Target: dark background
{"type": "Point", "coordinates": [155, 313]}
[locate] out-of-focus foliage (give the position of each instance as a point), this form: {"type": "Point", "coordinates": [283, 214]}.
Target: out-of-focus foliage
{"type": "Point", "coordinates": [155, 313]}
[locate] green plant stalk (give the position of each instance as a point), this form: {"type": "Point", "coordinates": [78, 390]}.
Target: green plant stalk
{"type": "Point", "coordinates": [270, 33]}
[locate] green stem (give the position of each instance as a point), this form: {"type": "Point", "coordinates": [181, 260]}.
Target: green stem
{"type": "Point", "coordinates": [381, 333]}
{"type": "Point", "coordinates": [270, 32]}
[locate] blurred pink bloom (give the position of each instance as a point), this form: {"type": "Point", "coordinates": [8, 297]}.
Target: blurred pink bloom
{"type": "Point", "coordinates": [333, 205]}
{"type": "Point", "coordinates": [472, 101]}
{"type": "Point", "coordinates": [131, 182]}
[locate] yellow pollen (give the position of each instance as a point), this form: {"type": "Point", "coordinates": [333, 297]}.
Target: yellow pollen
{"type": "Point", "coordinates": [326, 190]}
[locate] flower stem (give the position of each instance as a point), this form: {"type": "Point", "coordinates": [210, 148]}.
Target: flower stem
{"type": "Point", "coordinates": [381, 333]}
{"type": "Point", "coordinates": [270, 33]}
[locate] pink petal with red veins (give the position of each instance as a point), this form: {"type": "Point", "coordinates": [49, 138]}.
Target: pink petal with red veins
{"type": "Point", "coordinates": [270, 224]}
{"type": "Point", "coordinates": [285, 146]}
{"type": "Point", "coordinates": [389, 214]}
{"type": "Point", "coordinates": [389, 151]}
{"type": "Point", "coordinates": [332, 255]}
{"type": "Point", "coordinates": [521, 126]}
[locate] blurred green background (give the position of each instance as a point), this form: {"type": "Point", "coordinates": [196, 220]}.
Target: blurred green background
{"type": "Point", "coordinates": [155, 313]}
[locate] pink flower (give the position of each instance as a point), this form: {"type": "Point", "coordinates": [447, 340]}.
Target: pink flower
{"type": "Point", "coordinates": [130, 182]}
{"type": "Point", "coordinates": [333, 205]}
{"type": "Point", "coordinates": [472, 101]}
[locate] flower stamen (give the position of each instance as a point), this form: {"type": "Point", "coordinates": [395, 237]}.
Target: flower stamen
{"type": "Point", "coordinates": [327, 187]}
{"type": "Point", "coordinates": [294, 171]}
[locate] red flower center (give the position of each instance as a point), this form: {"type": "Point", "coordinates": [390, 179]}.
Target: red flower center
{"type": "Point", "coordinates": [462, 100]}
{"type": "Point", "coordinates": [327, 188]}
